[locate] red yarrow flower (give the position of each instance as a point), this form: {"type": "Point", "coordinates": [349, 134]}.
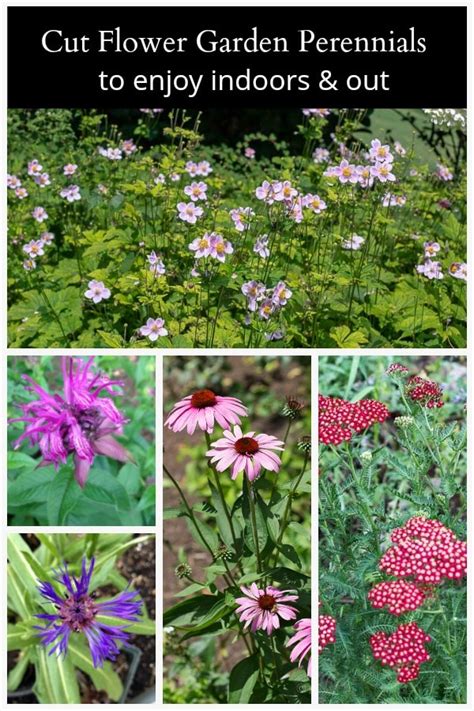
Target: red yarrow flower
{"type": "Point", "coordinates": [396, 369]}
{"type": "Point", "coordinates": [426, 551]}
{"type": "Point", "coordinates": [404, 650]}
{"type": "Point", "coordinates": [425, 392]}
{"type": "Point", "coordinates": [398, 596]}
{"type": "Point", "coordinates": [326, 631]}
{"type": "Point", "coordinates": [339, 419]}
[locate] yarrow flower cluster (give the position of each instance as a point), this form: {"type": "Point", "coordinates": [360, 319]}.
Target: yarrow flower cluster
{"type": "Point", "coordinates": [398, 596]}
{"type": "Point", "coordinates": [425, 392]}
{"type": "Point", "coordinates": [77, 611]}
{"type": "Point", "coordinates": [404, 650]}
{"type": "Point", "coordinates": [397, 369]}
{"type": "Point", "coordinates": [326, 631]}
{"type": "Point", "coordinates": [262, 608]}
{"type": "Point", "coordinates": [339, 419]}
{"type": "Point", "coordinates": [426, 551]}
{"type": "Point", "coordinates": [80, 422]}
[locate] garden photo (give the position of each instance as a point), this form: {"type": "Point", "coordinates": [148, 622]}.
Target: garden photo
{"type": "Point", "coordinates": [237, 530]}
{"type": "Point", "coordinates": [81, 440]}
{"type": "Point", "coordinates": [81, 627]}
{"type": "Point", "coordinates": [392, 530]}
{"type": "Point", "coordinates": [294, 228]}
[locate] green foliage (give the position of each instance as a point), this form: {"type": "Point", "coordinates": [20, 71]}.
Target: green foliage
{"type": "Point", "coordinates": [370, 297]}
{"type": "Point", "coordinates": [115, 493]}
{"type": "Point", "coordinates": [373, 484]}
{"type": "Point", "coordinates": [56, 680]}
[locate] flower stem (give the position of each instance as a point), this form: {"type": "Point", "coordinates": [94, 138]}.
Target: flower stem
{"type": "Point", "coordinates": [288, 508]}
{"type": "Point", "coordinates": [222, 497]}
{"type": "Point", "coordinates": [253, 520]}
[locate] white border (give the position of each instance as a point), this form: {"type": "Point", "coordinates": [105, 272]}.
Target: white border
{"type": "Point", "coordinates": [269, 352]}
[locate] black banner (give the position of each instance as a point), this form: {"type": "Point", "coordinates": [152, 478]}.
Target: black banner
{"type": "Point", "coordinates": [237, 56]}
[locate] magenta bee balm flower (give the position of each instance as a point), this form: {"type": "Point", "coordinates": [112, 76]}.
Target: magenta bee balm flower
{"type": "Point", "coordinates": [79, 612]}
{"type": "Point", "coordinates": [249, 453]}
{"type": "Point", "coordinates": [262, 609]}
{"type": "Point", "coordinates": [302, 641]}
{"type": "Point", "coordinates": [80, 422]}
{"type": "Point", "coordinates": [203, 409]}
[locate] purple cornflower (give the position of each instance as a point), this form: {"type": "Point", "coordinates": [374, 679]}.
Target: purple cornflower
{"type": "Point", "coordinates": [79, 611]}
{"type": "Point", "coordinates": [79, 422]}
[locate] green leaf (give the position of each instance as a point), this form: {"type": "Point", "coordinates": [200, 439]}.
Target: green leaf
{"type": "Point", "coordinates": [104, 679]}
{"type": "Point", "coordinates": [216, 613]}
{"type": "Point", "coordinates": [19, 600]}
{"type": "Point", "coordinates": [193, 609]}
{"type": "Point", "coordinates": [148, 499]}
{"type": "Point", "coordinates": [242, 680]}
{"type": "Point", "coordinates": [103, 488]}
{"type": "Point", "coordinates": [30, 486]}
{"type": "Point", "coordinates": [347, 339]}
{"type": "Point", "coordinates": [146, 626]}
{"type": "Point", "coordinates": [112, 340]}
{"type": "Point", "coordinates": [129, 477]}
{"type": "Point", "coordinates": [15, 677]}
{"type": "Point", "coordinates": [16, 550]}
{"type": "Point", "coordinates": [19, 460]}
{"type": "Point", "coordinates": [19, 636]}
{"type": "Point", "coordinates": [190, 589]}
{"type": "Point", "coordinates": [63, 495]}
{"type": "Point", "coordinates": [56, 681]}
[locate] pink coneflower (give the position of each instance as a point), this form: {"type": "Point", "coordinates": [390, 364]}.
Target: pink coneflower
{"type": "Point", "coordinates": [203, 409]}
{"type": "Point", "coordinates": [249, 453]}
{"type": "Point", "coordinates": [302, 642]}
{"type": "Point", "coordinates": [262, 609]}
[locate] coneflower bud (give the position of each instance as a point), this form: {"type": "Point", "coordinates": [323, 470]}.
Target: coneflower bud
{"type": "Point", "coordinates": [222, 552]}
{"type": "Point", "coordinates": [304, 443]}
{"type": "Point", "coordinates": [292, 408]}
{"type": "Point", "coordinates": [183, 570]}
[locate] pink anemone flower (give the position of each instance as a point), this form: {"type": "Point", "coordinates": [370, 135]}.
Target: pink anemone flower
{"type": "Point", "coordinates": [203, 409]}
{"type": "Point", "coordinates": [262, 609]}
{"type": "Point", "coordinates": [249, 453]}
{"type": "Point", "coordinates": [302, 641]}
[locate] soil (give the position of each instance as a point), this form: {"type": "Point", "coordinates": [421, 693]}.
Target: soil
{"type": "Point", "coordinates": [138, 566]}
{"type": "Point", "coordinates": [287, 380]}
